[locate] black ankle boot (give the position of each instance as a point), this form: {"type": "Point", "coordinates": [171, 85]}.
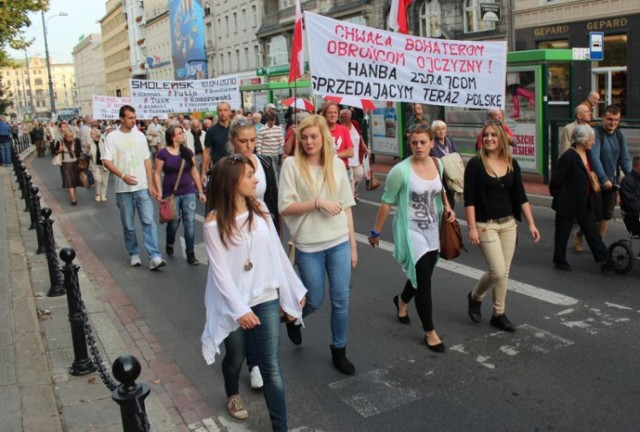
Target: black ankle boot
{"type": "Point", "coordinates": [341, 362]}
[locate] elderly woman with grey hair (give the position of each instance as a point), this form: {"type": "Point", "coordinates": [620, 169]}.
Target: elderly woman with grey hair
{"type": "Point", "coordinates": [571, 191]}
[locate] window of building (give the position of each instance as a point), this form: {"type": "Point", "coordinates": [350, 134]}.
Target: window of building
{"type": "Point", "coordinates": [38, 81]}
{"type": "Point", "coordinates": [247, 61]}
{"type": "Point", "coordinates": [235, 22]}
{"type": "Point", "coordinates": [222, 62]}
{"type": "Point", "coordinates": [219, 28]}
{"type": "Point", "coordinates": [238, 59]}
{"type": "Point", "coordinates": [277, 53]}
{"type": "Point", "coordinates": [256, 53]}
{"type": "Point", "coordinates": [254, 14]}
{"type": "Point", "coordinates": [430, 14]}
{"type": "Point", "coordinates": [472, 21]}
{"type": "Point", "coordinates": [286, 3]}
{"type": "Point", "coordinates": [358, 19]}
{"type": "Point", "coordinates": [244, 20]}
{"type": "Point", "coordinates": [226, 22]}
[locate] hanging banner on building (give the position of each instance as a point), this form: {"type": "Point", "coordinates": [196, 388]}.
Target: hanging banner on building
{"type": "Point", "coordinates": [108, 107]}
{"type": "Point", "coordinates": [347, 59]}
{"type": "Point", "coordinates": [151, 98]}
{"type": "Point", "coordinates": [186, 21]}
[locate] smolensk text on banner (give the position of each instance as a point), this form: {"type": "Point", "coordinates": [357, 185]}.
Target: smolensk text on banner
{"type": "Point", "coordinates": [151, 98]}
{"type": "Point", "coordinates": [108, 107]}
{"type": "Point", "coordinates": [352, 60]}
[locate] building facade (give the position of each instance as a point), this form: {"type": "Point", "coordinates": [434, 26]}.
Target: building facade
{"type": "Point", "coordinates": [115, 47]}
{"type": "Point", "coordinates": [231, 43]}
{"type": "Point", "coordinates": [568, 24]}
{"type": "Point", "coordinates": [158, 44]}
{"type": "Point", "coordinates": [88, 63]}
{"type": "Point", "coordinates": [29, 87]}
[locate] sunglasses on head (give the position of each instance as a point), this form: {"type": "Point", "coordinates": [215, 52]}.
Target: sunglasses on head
{"type": "Point", "coordinates": [237, 158]}
{"type": "Point", "coordinates": [493, 122]}
{"type": "Point", "coordinates": [420, 127]}
{"type": "Point", "coordinates": [241, 122]}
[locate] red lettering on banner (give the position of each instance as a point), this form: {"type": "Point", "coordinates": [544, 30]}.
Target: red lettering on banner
{"type": "Point", "coordinates": [525, 139]}
{"type": "Point", "coordinates": [444, 48]}
{"type": "Point", "coordinates": [345, 49]}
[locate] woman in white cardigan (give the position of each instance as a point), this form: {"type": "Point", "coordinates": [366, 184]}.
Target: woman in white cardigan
{"type": "Point", "coordinates": [250, 281]}
{"type": "Point", "coordinates": [100, 173]}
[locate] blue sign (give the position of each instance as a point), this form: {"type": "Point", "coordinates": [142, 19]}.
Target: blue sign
{"type": "Point", "coordinates": [596, 46]}
{"type": "Point", "coordinates": [187, 39]}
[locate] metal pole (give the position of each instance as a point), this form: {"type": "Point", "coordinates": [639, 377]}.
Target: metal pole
{"type": "Point", "coordinates": [52, 100]}
{"type": "Point", "coordinates": [33, 106]}
{"type": "Point", "coordinates": [82, 364]}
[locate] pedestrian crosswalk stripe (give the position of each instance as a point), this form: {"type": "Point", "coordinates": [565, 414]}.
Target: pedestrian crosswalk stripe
{"type": "Point", "coordinates": [473, 273]}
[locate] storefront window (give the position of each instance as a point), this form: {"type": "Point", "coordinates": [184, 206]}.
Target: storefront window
{"type": "Point", "coordinates": [472, 21]}
{"type": "Point", "coordinates": [609, 76]}
{"type": "Point", "coordinates": [559, 85]}
{"type": "Point", "coordinates": [430, 19]}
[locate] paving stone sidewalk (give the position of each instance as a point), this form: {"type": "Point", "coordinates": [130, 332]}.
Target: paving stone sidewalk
{"type": "Point", "coordinates": [37, 393]}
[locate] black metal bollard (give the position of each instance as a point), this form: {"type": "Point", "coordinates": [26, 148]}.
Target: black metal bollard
{"type": "Point", "coordinates": [22, 172]}
{"type": "Point", "coordinates": [34, 207]}
{"type": "Point", "coordinates": [55, 276]}
{"type": "Point", "coordinates": [82, 364]}
{"type": "Point", "coordinates": [27, 191]}
{"type": "Point", "coordinates": [36, 218]}
{"type": "Point", "coordinates": [130, 395]}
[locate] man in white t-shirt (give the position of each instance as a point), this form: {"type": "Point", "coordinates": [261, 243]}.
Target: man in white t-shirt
{"type": "Point", "coordinates": [127, 156]}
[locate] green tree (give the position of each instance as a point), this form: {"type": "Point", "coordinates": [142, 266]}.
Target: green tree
{"type": "Point", "coordinates": [5, 97]}
{"type": "Point", "coordinates": [14, 18]}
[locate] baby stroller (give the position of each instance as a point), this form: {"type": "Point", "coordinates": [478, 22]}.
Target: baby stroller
{"type": "Point", "coordinates": [621, 251]}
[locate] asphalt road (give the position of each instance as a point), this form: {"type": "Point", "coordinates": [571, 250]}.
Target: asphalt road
{"type": "Point", "coordinates": [571, 366]}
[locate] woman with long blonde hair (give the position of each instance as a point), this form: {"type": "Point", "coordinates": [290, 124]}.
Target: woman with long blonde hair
{"type": "Point", "coordinates": [315, 200]}
{"type": "Point", "coordinates": [494, 198]}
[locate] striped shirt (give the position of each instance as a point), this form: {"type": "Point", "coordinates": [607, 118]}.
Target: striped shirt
{"type": "Point", "coordinates": [269, 140]}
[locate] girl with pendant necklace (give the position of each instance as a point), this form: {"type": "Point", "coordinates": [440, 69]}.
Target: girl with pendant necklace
{"type": "Point", "coordinates": [250, 279]}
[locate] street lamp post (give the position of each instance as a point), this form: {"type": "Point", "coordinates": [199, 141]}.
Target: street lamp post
{"type": "Point", "coordinates": [52, 99]}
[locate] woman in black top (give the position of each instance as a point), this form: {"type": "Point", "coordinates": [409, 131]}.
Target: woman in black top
{"type": "Point", "coordinates": [494, 198]}
{"type": "Point", "coordinates": [571, 191]}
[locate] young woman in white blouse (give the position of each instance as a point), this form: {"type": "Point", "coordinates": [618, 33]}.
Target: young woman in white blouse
{"type": "Point", "coordinates": [315, 200]}
{"type": "Point", "coordinates": [250, 280]}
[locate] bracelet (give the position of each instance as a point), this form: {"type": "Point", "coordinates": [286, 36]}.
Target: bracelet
{"type": "Point", "coordinates": [200, 193]}
{"type": "Point", "coordinates": [375, 233]}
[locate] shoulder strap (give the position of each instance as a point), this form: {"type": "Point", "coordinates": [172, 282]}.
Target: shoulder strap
{"type": "Point", "coordinates": [175, 188]}
{"type": "Point", "coordinates": [437, 162]}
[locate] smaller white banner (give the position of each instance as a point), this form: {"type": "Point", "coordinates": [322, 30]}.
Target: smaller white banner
{"type": "Point", "coordinates": [107, 107]}
{"type": "Point", "coordinates": [161, 97]}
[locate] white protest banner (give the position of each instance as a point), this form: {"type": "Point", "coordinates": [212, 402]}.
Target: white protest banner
{"type": "Point", "coordinates": [352, 60]}
{"type": "Point", "coordinates": [161, 97]}
{"type": "Point", "coordinates": [107, 107]}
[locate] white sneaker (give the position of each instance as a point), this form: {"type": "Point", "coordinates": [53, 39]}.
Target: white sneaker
{"type": "Point", "coordinates": [256, 378]}
{"type": "Point", "coordinates": [135, 261]}
{"type": "Point", "coordinates": [97, 198]}
{"type": "Point", "coordinates": [156, 263]}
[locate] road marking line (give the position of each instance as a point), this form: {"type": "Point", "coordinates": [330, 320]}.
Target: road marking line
{"type": "Point", "coordinates": [473, 273]}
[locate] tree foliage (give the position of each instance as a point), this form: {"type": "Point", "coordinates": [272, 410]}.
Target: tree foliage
{"type": "Point", "coordinates": [14, 18]}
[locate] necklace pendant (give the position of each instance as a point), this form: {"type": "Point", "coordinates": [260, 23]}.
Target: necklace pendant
{"type": "Point", "coordinates": [248, 265]}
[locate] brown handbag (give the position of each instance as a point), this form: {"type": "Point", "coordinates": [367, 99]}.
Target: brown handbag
{"type": "Point", "coordinates": [168, 208]}
{"type": "Point", "coordinates": [450, 232]}
{"type": "Point", "coordinates": [595, 183]}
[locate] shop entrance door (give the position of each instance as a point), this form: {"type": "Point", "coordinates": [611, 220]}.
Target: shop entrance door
{"type": "Point", "coordinates": [611, 83]}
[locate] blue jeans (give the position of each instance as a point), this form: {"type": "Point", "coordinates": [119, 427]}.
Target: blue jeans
{"type": "Point", "coordinates": [186, 205]}
{"type": "Point", "coordinates": [267, 340]}
{"type": "Point", "coordinates": [128, 202]}
{"type": "Point", "coordinates": [5, 153]}
{"type": "Point", "coordinates": [337, 263]}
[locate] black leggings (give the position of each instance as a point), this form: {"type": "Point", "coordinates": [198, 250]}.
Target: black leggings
{"type": "Point", "coordinates": [424, 305]}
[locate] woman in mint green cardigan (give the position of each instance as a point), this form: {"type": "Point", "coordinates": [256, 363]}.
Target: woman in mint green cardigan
{"type": "Point", "coordinates": [415, 184]}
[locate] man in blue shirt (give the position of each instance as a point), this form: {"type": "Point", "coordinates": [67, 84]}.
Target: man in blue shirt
{"type": "Point", "coordinates": [5, 142]}
{"type": "Point", "coordinates": [608, 153]}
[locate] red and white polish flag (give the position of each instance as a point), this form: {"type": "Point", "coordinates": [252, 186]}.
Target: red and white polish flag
{"type": "Point", "coordinates": [397, 20]}
{"type": "Point", "coordinates": [296, 67]}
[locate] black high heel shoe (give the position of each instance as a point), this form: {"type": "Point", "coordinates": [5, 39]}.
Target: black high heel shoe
{"type": "Point", "coordinates": [403, 319]}
{"type": "Point", "coordinates": [439, 348]}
